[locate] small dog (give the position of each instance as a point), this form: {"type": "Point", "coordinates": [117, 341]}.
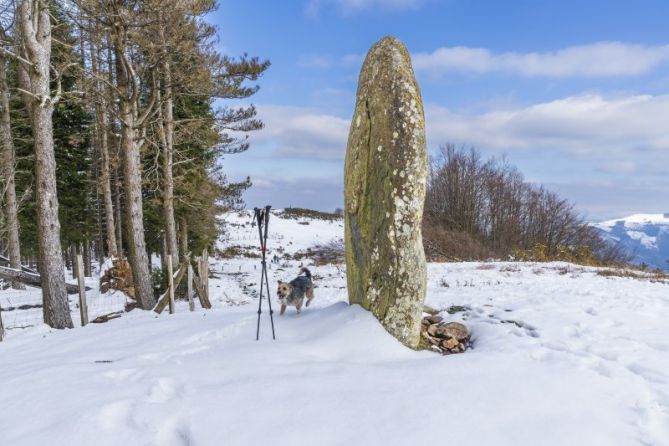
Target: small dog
{"type": "Point", "coordinates": [293, 292]}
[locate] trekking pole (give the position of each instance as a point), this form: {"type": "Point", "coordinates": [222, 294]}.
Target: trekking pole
{"type": "Point", "coordinates": [262, 216]}
{"type": "Point", "coordinates": [264, 267]}
{"type": "Point", "coordinates": [257, 216]}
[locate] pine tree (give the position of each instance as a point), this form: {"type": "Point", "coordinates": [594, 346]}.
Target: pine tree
{"type": "Point", "coordinates": [8, 172]}
{"type": "Point", "coordinates": [35, 29]}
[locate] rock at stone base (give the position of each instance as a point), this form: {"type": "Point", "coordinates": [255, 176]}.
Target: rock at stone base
{"type": "Point", "coordinates": [453, 330]}
{"type": "Point", "coordinates": [447, 338]}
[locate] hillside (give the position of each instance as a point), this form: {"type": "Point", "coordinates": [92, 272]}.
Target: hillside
{"type": "Point", "coordinates": [645, 236]}
{"type": "Point", "coordinates": [563, 355]}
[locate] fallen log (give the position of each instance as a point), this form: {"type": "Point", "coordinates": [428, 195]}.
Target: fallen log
{"type": "Point", "coordinates": [32, 279]}
{"type": "Point", "coordinates": [24, 268]}
{"type": "Point", "coordinates": [107, 317]}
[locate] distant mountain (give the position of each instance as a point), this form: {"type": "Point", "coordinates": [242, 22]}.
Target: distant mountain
{"type": "Point", "coordinates": [646, 236]}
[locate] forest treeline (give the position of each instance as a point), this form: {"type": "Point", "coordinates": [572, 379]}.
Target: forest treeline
{"type": "Point", "coordinates": [113, 125]}
{"type": "Point", "coordinates": [479, 208]}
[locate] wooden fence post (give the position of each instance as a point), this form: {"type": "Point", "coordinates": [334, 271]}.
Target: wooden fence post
{"type": "Point", "coordinates": [200, 274]}
{"type": "Point", "coordinates": [205, 271]}
{"type": "Point", "coordinates": [170, 282]}
{"type": "Point", "coordinates": [83, 307]}
{"type": "Point", "coordinates": [2, 329]}
{"type": "Point", "coordinates": [191, 303]}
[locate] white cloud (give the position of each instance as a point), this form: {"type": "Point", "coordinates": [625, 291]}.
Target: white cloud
{"type": "Point", "coordinates": [315, 61]}
{"type": "Point", "coordinates": [619, 129]}
{"type": "Point", "coordinates": [353, 6]}
{"type": "Point", "coordinates": [325, 194]}
{"type": "Point", "coordinates": [325, 61]}
{"type": "Point", "coordinates": [609, 154]}
{"type": "Point", "coordinates": [599, 59]}
{"type": "Point", "coordinates": [623, 129]}
{"type": "Point", "coordinates": [300, 132]}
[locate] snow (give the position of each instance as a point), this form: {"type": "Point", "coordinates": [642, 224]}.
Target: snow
{"type": "Point", "coordinates": [638, 219]}
{"type": "Point", "coordinates": [644, 236]}
{"type": "Point", "coordinates": [562, 356]}
{"type": "Point", "coordinates": [646, 240]}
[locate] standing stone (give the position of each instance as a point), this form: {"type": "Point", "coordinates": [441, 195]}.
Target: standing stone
{"type": "Point", "coordinates": [385, 178]}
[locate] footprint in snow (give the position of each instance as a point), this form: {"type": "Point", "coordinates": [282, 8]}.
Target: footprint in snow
{"type": "Point", "coordinates": [124, 375]}
{"type": "Point", "coordinates": [174, 432]}
{"type": "Point", "coordinates": [116, 415]}
{"type": "Point", "coordinates": [164, 390]}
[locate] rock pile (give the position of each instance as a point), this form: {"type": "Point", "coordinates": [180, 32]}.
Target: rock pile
{"type": "Point", "coordinates": [445, 337]}
{"type": "Point", "coordinates": [119, 278]}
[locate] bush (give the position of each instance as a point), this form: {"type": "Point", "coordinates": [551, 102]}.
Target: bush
{"type": "Point", "coordinates": [443, 245]}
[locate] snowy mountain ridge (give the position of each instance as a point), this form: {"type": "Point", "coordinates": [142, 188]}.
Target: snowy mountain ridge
{"type": "Point", "coordinates": [645, 236]}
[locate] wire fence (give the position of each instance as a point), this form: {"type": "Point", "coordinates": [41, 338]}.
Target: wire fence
{"type": "Point", "coordinates": [22, 309]}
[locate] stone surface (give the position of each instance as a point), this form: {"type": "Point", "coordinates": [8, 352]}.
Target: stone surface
{"type": "Point", "coordinates": [454, 330]}
{"type": "Point", "coordinates": [385, 179]}
{"type": "Point", "coordinates": [446, 338]}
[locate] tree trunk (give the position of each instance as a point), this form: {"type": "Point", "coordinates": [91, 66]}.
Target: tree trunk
{"type": "Point", "coordinates": [117, 211]}
{"type": "Point", "coordinates": [67, 259]}
{"type": "Point", "coordinates": [131, 144]}
{"type": "Point", "coordinates": [166, 133]}
{"type": "Point", "coordinates": [183, 239]}
{"type": "Point", "coordinates": [163, 251]}
{"type": "Point", "coordinates": [8, 172]}
{"type": "Point", "coordinates": [134, 213]}
{"type": "Point", "coordinates": [35, 23]}
{"type": "Point", "coordinates": [103, 142]}
{"type": "Point", "coordinates": [72, 259]}
{"type": "Point", "coordinates": [87, 259]}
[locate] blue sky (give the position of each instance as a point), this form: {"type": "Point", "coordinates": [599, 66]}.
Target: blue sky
{"type": "Point", "coordinates": [574, 93]}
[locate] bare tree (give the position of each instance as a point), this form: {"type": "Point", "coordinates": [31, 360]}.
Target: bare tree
{"type": "Point", "coordinates": [476, 208]}
{"type": "Point", "coordinates": [34, 24]}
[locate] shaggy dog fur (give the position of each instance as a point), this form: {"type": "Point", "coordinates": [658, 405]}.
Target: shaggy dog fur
{"type": "Point", "coordinates": [293, 293]}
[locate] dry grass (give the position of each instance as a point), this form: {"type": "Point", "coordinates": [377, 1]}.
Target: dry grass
{"type": "Point", "coordinates": [297, 213]}
{"type": "Point", "coordinates": [652, 276]}
{"type": "Point", "coordinates": [239, 251]}
{"type": "Point", "coordinates": [330, 253]}
{"type": "Point", "coordinates": [443, 245]}
{"type": "Point", "coordinates": [510, 269]}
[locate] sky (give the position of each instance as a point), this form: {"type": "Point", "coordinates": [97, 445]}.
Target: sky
{"type": "Point", "coordinates": [573, 93]}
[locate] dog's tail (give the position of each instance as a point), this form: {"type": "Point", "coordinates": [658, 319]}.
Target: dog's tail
{"type": "Point", "coordinates": [305, 271]}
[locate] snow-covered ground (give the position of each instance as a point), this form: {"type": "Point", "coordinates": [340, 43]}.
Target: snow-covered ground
{"type": "Point", "coordinates": [562, 356]}
{"type": "Point", "coordinates": [22, 309]}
